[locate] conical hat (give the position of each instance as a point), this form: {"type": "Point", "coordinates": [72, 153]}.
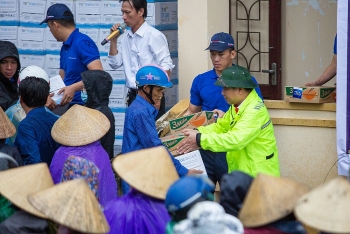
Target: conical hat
{"type": "Point", "coordinates": [268, 199]}
{"type": "Point", "coordinates": [16, 184]}
{"type": "Point", "coordinates": [73, 205]}
{"type": "Point", "coordinates": [80, 126]}
{"type": "Point", "coordinates": [326, 208]}
{"type": "Point", "coordinates": [7, 129]}
{"type": "Point", "coordinates": [150, 171]}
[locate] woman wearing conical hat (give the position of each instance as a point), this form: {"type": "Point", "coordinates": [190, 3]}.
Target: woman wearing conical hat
{"type": "Point", "coordinates": [268, 206]}
{"type": "Point", "coordinates": [142, 210]}
{"type": "Point", "coordinates": [79, 131]}
{"type": "Point", "coordinates": [15, 186]}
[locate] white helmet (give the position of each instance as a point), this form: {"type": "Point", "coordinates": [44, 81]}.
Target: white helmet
{"type": "Point", "coordinates": [33, 71]}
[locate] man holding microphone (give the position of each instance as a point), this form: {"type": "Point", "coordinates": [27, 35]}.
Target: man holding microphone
{"type": "Point", "coordinates": [141, 45]}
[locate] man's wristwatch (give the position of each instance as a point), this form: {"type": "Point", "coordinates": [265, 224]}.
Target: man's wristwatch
{"type": "Point", "coordinates": [198, 139]}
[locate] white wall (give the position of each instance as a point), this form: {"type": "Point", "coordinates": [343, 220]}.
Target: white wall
{"type": "Point", "coordinates": [198, 20]}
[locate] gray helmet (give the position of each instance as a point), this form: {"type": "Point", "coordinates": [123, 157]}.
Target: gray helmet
{"type": "Point", "coordinates": [8, 49]}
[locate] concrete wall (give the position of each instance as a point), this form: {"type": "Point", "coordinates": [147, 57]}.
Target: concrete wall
{"type": "Point", "coordinates": [308, 30]}
{"type": "Point", "coordinates": [198, 20]}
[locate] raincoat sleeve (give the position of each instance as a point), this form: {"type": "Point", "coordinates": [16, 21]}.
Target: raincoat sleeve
{"type": "Point", "coordinates": [245, 130]}
{"type": "Point", "coordinates": [221, 126]}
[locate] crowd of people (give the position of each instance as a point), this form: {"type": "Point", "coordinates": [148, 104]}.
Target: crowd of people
{"type": "Point", "coordinates": [59, 173]}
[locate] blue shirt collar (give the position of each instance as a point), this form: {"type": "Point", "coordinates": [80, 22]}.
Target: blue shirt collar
{"type": "Point", "coordinates": [36, 110]}
{"type": "Point", "coordinates": [148, 106]}
{"type": "Point", "coordinates": [71, 37]}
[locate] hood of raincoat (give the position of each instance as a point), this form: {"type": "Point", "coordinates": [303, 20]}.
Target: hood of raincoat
{"type": "Point", "coordinates": [234, 188]}
{"type": "Point", "coordinates": [98, 85]}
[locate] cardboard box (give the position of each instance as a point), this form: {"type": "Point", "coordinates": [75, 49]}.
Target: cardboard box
{"type": "Point", "coordinates": [93, 33]}
{"type": "Point", "coordinates": [117, 103]}
{"type": "Point", "coordinates": [52, 71]}
{"type": "Point", "coordinates": [31, 20]}
{"type": "Point", "coordinates": [9, 18]}
{"type": "Point", "coordinates": [87, 7]}
{"type": "Point", "coordinates": [111, 8]}
{"type": "Point", "coordinates": [175, 72]}
{"type": "Point", "coordinates": [119, 118]}
{"type": "Point", "coordinates": [9, 6]}
{"type": "Point", "coordinates": [172, 141]}
{"type": "Point", "coordinates": [172, 38]}
{"type": "Point", "coordinates": [68, 3]}
{"type": "Point", "coordinates": [8, 33]}
{"type": "Point", "coordinates": [85, 20]}
{"type": "Point", "coordinates": [119, 129]}
{"type": "Point", "coordinates": [27, 60]}
{"type": "Point", "coordinates": [191, 121]}
{"type": "Point", "coordinates": [165, 15]}
{"type": "Point", "coordinates": [171, 97]}
{"type": "Point", "coordinates": [33, 7]}
{"type": "Point", "coordinates": [52, 61]}
{"type": "Point", "coordinates": [119, 90]}
{"type": "Point", "coordinates": [319, 94]}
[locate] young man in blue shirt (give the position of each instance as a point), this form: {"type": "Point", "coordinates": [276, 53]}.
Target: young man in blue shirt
{"type": "Point", "coordinates": [205, 96]}
{"type": "Point", "coordinates": [78, 53]}
{"type": "Point", "coordinates": [34, 141]}
{"type": "Point", "coordinates": [139, 128]}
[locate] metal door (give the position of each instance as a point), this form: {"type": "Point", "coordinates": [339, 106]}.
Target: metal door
{"type": "Point", "coordinates": [256, 28]}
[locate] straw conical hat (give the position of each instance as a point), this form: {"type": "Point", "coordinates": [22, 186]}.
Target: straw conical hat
{"type": "Point", "coordinates": [327, 207]}
{"type": "Point", "coordinates": [73, 205]}
{"type": "Point", "coordinates": [7, 129]}
{"type": "Point", "coordinates": [150, 171]}
{"type": "Point", "coordinates": [80, 126]}
{"type": "Point", "coordinates": [268, 199]}
{"type": "Point", "coordinates": [16, 184]}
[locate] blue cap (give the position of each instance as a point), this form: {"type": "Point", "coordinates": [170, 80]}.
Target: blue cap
{"type": "Point", "coordinates": [153, 75]}
{"type": "Point", "coordinates": [185, 191]}
{"type": "Point", "coordinates": [221, 42]}
{"type": "Point", "coordinates": [57, 11]}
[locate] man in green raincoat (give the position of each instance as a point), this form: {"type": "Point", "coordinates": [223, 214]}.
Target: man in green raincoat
{"type": "Point", "coordinates": [245, 132]}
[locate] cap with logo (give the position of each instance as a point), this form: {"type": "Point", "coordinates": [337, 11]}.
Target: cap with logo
{"type": "Point", "coordinates": [221, 42]}
{"type": "Point", "coordinates": [58, 11]}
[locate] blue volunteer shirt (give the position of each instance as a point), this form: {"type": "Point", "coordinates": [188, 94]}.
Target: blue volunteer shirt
{"type": "Point", "coordinates": [204, 93]}
{"type": "Point", "coordinates": [76, 53]}
{"type": "Point", "coordinates": [34, 141]}
{"type": "Point", "coordinates": [140, 130]}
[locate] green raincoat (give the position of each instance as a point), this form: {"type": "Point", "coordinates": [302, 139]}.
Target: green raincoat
{"type": "Point", "coordinates": [247, 137]}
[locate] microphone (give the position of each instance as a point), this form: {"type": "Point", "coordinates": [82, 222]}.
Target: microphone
{"type": "Point", "coordinates": [114, 34]}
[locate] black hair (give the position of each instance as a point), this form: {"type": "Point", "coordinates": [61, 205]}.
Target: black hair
{"type": "Point", "coordinates": [34, 91]}
{"type": "Point", "coordinates": [138, 4]}
{"type": "Point", "coordinates": [68, 22]}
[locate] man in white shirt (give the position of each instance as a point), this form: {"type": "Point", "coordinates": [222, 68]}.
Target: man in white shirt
{"type": "Point", "coordinates": [141, 45]}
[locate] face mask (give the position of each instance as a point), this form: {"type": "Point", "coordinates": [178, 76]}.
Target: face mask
{"type": "Point", "coordinates": [84, 96]}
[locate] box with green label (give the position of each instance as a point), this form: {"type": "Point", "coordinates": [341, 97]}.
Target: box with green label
{"type": "Point", "coordinates": [191, 121]}
{"type": "Point", "coordinates": [172, 141]}
{"type": "Point", "coordinates": [317, 94]}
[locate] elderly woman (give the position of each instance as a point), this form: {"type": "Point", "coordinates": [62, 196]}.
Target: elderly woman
{"type": "Point", "coordinates": [9, 69]}
{"type": "Point", "coordinates": [79, 131]}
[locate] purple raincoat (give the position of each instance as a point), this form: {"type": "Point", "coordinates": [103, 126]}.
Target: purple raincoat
{"type": "Point", "coordinates": [138, 213]}
{"type": "Point", "coordinates": [94, 153]}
